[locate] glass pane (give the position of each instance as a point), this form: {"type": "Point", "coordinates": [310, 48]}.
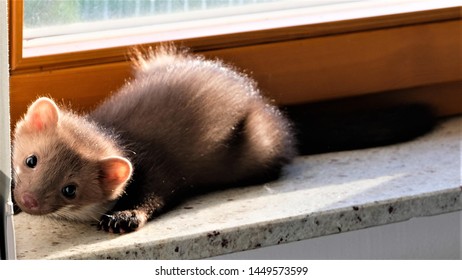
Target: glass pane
{"type": "Point", "coordinates": [39, 13]}
{"type": "Point", "coordinates": [44, 18]}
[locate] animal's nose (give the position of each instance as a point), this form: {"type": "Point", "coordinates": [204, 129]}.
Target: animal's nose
{"type": "Point", "coordinates": [29, 201]}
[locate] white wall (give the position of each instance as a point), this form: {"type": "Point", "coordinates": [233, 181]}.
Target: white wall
{"type": "Point", "coordinates": [5, 162]}
{"type": "Point", "coordinates": [435, 237]}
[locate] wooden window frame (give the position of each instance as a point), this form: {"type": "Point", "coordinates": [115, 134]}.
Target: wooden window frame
{"type": "Point", "coordinates": [404, 56]}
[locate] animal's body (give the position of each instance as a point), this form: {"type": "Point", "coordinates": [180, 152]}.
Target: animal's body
{"type": "Point", "coordinates": [182, 124]}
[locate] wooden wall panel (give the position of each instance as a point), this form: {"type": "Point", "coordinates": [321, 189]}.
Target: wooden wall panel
{"type": "Point", "coordinates": [354, 64]}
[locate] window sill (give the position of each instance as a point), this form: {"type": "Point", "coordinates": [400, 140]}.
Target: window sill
{"type": "Point", "coordinates": [319, 195]}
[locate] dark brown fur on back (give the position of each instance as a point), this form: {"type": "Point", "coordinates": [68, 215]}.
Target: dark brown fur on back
{"type": "Point", "coordinates": [193, 124]}
{"type": "Point", "coordinates": [184, 123]}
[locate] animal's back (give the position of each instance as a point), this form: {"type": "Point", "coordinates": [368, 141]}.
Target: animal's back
{"type": "Point", "coordinates": [201, 118]}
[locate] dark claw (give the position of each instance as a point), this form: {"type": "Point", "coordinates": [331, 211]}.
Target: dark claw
{"type": "Point", "coordinates": [119, 222]}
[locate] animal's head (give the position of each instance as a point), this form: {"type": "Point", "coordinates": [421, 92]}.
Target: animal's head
{"type": "Point", "coordinates": [53, 174]}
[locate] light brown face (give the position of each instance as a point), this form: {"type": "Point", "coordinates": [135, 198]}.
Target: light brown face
{"type": "Point", "coordinates": [48, 176]}
{"type": "Point", "coordinates": [51, 176]}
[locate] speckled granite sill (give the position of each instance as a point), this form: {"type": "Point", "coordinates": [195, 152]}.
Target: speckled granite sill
{"type": "Point", "coordinates": [319, 195]}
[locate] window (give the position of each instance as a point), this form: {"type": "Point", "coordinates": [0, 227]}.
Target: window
{"type": "Point", "coordinates": [46, 18]}
{"type": "Point", "coordinates": [52, 27]}
{"type": "Point", "coordinates": [346, 48]}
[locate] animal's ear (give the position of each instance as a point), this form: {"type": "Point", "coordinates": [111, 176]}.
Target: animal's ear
{"type": "Point", "coordinates": [114, 174]}
{"type": "Point", "coordinates": [42, 114]}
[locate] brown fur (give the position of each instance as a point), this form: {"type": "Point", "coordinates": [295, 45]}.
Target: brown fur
{"type": "Point", "coordinates": [183, 123]}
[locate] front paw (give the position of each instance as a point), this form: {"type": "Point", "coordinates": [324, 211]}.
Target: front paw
{"type": "Point", "coordinates": [122, 221]}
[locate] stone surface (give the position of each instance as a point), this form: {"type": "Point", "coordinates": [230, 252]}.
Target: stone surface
{"type": "Point", "coordinates": [318, 195]}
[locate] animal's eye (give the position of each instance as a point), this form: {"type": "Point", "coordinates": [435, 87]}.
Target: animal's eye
{"type": "Point", "coordinates": [69, 191]}
{"type": "Point", "coordinates": [31, 161]}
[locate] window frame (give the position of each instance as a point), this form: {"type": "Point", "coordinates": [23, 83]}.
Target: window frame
{"type": "Point", "coordinates": [248, 49]}
{"type": "Point", "coordinates": [282, 29]}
